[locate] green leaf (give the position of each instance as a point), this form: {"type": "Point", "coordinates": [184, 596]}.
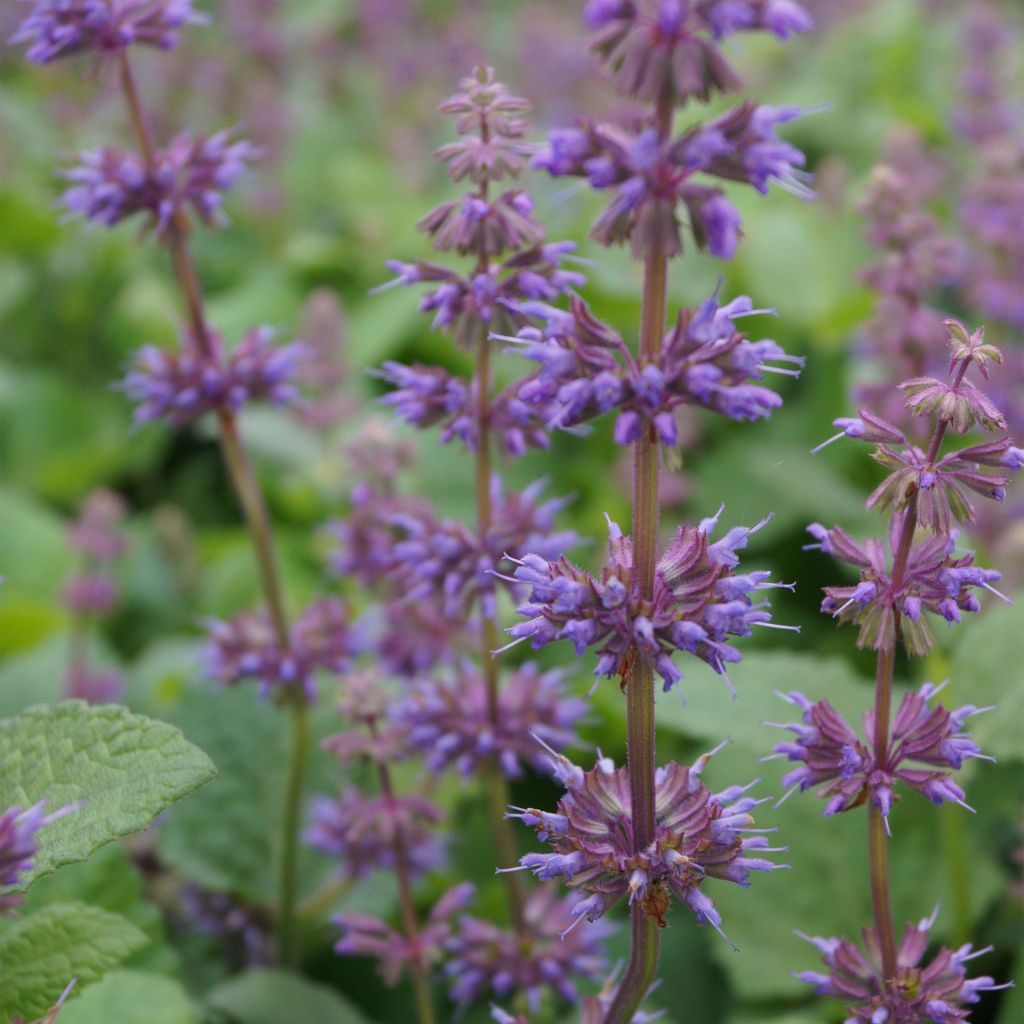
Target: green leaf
{"type": "Point", "coordinates": [122, 993]}
{"type": "Point", "coordinates": [225, 838]}
{"type": "Point", "coordinates": [41, 953]}
{"type": "Point", "coordinates": [269, 997]}
{"type": "Point", "coordinates": [125, 768]}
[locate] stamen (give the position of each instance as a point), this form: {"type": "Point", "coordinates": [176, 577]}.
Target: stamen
{"type": "Point", "coordinates": [814, 451]}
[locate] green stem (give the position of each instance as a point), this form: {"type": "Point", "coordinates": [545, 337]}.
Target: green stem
{"type": "Point", "coordinates": [257, 520]}
{"type": "Point", "coordinates": [417, 968]}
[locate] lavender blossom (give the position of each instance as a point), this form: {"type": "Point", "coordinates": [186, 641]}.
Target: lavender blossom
{"type": "Point", "coordinates": [428, 395]}
{"type": "Point", "coordinates": [246, 648]}
{"type": "Point", "coordinates": [698, 835]}
{"type": "Point", "coordinates": [64, 28]}
{"type": "Point", "coordinates": [97, 532]}
{"type": "Point", "coordinates": [934, 580]}
{"type": "Point", "coordinates": [427, 557]}
{"type": "Point", "coordinates": [845, 767]}
{"type": "Point", "coordinates": [81, 682]}
{"type": "Point", "coordinates": [653, 178]}
{"type": "Point", "coordinates": [698, 603]}
{"type": "Point", "coordinates": [363, 935]}
{"type": "Point", "coordinates": [586, 370]}
{"type": "Point", "coordinates": [18, 842]}
{"type": "Point", "coordinates": [184, 385]}
{"type": "Point", "coordinates": [359, 832]}
{"type": "Point", "coordinates": [483, 958]}
{"type": "Point", "coordinates": [91, 593]}
{"type": "Point", "coordinates": [109, 186]}
{"type": "Point", "coordinates": [448, 719]}
{"type": "Point", "coordinates": [936, 993]}
{"type": "Point", "coordinates": [669, 49]}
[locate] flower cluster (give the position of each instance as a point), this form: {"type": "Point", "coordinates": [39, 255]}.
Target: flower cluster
{"type": "Point", "coordinates": [698, 602]}
{"type": "Point", "coordinates": [468, 305]}
{"type": "Point", "coordinates": [363, 935]}
{"type": "Point", "coordinates": [359, 832]}
{"type": "Point", "coordinates": [483, 958]}
{"type": "Point", "coordinates": [914, 259]}
{"type": "Point", "coordinates": [64, 28]}
{"type": "Point", "coordinates": [429, 395]}
{"type": "Point", "coordinates": [184, 385]}
{"type": "Point", "coordinates": [652, 178]}
{"type": "Point", "coordinates": [18, 842]}
{"type": "Point", "coordinates": [670, 48]}
{"type": "Point", "coordinates": [697, 835]}
{"type": "Point", "coordinates": [586, 370]}
{"type": "Point", "coordinates": [936, 993]}
{"type": "Point", "coordinates": [835, 757]}
{"type": "Point", "coordinates": [935, 579]}
{"type": "Point", "coordinates": [448, 718]}
{"type": "Point", "coordinates": [98, 535]}
{"type": "Point", "coordinates": [426, 557]}
{"type": "Point", "coordinates": [246, 647]}
{"type": "Point", "coordinates": [109, 186]}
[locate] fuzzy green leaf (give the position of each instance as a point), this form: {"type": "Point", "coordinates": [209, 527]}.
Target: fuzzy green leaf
{"type": "Point", "coordinates": [269, 997]}
{"type": "Point", "coordinates": [41, 953]}
{"type": "Point", "coordinates": [125, 769]}
{"type": "Point", "coordinates": [121, 994]}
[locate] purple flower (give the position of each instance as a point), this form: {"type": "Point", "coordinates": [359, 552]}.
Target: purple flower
{"type": "Point", "coordinates": [485, 959]}
{"type": "Point", "coordinates": [246, 647]}
{"type": "Point", "coordinates": [90, 593]}
{"type": "Point", "coordinates": [97, 532]}
{"type": "Point", "coordinates": [474, 225]}
{"type": "Point", "coordinates": [428, 558]}
{"type": "Point", "coordinates": [367, 936]}
{"type": "Point", "coordinates": [658, 47]}
{"type": "Point", "coordinates": [487, 115]}
{"type": "Point", "coordinates": [934, 580]}
{"type": "Point", "coordinates": [926, 745]}
{"type": "Point", "coordinates": [191, 173]}
{"type": "Point", "coordinates": [93, 686]}
{"type": "Point", "coordinates": [586, 370]}
{"type": "Point", "coordinates": [652, 178]}
{"type": "Point", "coordinates": [63, 28]}
{"type": "Point", "coordinates": [697, 836]}
{"type": "Point", "coordinates": [184, 385]}
{"type": "Point", "coordinates": [18, 841]}
{"type": "Point", "coordinates": [448, 721]}
{"type": "Point", "coordinates": [698, 603]}
{"type": "Point", "coordinates": [936, 993]}
{"type": "Point", "coordinates": [360, 832]}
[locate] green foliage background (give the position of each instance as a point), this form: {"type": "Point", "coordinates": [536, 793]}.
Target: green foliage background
{"type": "Point", "coordinates": [346, 177]}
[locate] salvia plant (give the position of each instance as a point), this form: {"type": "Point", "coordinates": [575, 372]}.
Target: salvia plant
{"type": "Point", "coordinates": [423, 661]}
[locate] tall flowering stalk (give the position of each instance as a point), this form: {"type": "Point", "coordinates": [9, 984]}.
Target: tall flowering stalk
{"type": "Point", "coordinates": [642, 831]}
{"type": "Point", "coordinates": [920, 573]}
{"type": "Point", "coordinates": [438, 579]}
{"type": "Point", "coordinates": [91, 593]}
{"type": "Point", "coordinates": [171, 188]}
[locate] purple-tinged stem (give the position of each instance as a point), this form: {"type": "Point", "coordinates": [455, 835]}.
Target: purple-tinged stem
{"type": "Point", "coordinates": [495, 784]}
{"type": "Point", "coordinates": [254, 511]}
{"type": "Point", "coordinates": [640, 727]}
{"type": "Point", "coordinates": [881, 897]}
{"type": "Point", "coordinates": [417, 968]}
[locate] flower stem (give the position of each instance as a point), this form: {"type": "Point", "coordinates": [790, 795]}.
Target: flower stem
{"type": "Point", "coordinates": [640, 727]}
{"type": "Point", "coordinates": [417, 968]}
{"type": "Point", "coordinates": [257, 520]}
{"type": "Point", "coordinates": [878, 840]}
{"type": "Point", "coordinates": [494, 778]}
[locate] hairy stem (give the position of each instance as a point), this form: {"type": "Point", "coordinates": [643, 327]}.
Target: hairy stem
{"type": "Point", "coordinates": [881, 897]}
{"type": "Point", "coordinates": [640, 728]}
{"type": "Point", "coordinates": [495, 784]}
{"type": "Point", "coordinates": [257, 520]}
{"type": "Point", "coordinates": [417, 968]}
{"type": "Point", "coordinates": [878, 840]}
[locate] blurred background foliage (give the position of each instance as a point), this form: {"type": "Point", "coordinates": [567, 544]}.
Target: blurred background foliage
{"type": "Point", "coordinates": [341, 94]}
